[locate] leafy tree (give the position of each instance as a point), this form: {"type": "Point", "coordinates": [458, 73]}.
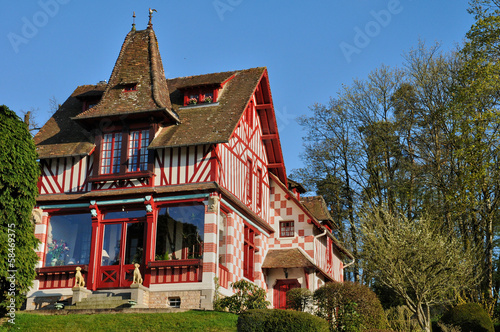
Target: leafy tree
{"type": "Point", "coordinates": [417, 259]}
{"type": "Point", "coordinates": [19, 173]}
{"type": "Point", "coordinates": [477, 136]}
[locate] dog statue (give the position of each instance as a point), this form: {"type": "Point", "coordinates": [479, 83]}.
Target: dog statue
{"type": "Point", "coordinates": [137, 275]}
{"type": "Point", "coordinates": [79, 278]}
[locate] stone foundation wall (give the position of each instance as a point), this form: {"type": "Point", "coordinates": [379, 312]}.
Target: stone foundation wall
{"type": "Point", "coordinates": [189, 299]}
{"type": "Point", "coordinates": [145, 300]}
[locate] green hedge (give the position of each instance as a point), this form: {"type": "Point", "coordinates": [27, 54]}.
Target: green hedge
{"type": "Point", "coordinates": [469, 317]}
{"type": "Point", "coordinates": [277, 320]}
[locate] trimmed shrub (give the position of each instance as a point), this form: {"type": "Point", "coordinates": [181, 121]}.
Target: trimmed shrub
{"type": "Point", "coordinates": [354, 306]}
{"type": "Point", "coordinates": [278, 320]}
{"type": "Point", "coordinates": [469, 317]}
{"type": "Point", "coordinates": [298, 298]}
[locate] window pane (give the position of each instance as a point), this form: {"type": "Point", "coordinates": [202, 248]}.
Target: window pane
{"type": "Point", "coordinates": [179, 233]}
{"type": "Point", "coordinates": [68, 239]}
{"type": "Point", "coordinates": [111, 244]}
{"type": "Point", "coordinates": [135, 238]}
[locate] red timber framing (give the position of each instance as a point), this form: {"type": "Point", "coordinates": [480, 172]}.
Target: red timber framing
{"type": "Point", "coordinates": [181, 165]}
{"type": "Point", "coordinates": [270, 135]}
{"type": "Point", "coordinates": [65, 175]}
{"type": "Point", "coordinates": [249, 181]}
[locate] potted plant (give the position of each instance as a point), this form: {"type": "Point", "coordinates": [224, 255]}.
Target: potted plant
{"type": "Point", "coordinates": [192, 101]}
{"type": "Point", "coordinates": [208, 99]}
{"type": "Point", "coordinates": [57, 250]}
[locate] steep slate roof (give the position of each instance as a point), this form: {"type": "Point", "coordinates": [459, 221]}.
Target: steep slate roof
{"type": "Point", "coordinates": [61, 136]}
{"type": "Point", "coordinates": [317, 206]}
{"type": "Point", "coordinates": [213, 123]}
{"type": "Point", "coordinates": [286, 258]}
{"type": "Point", "coordinates": [139, 63]}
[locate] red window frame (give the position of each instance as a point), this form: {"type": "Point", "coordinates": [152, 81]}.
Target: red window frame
{"type": "Point", "coordinates": [200, 95]}
{"type": "Point", "coordinates": [249, 180]}
{"type": "Point", "coordinates": [287, 228]}
{"type": "Point", "coordinates": [111, 153]}
{"type": "Point", "coordinates": [138, 141]}
{"type": "Point", "coordinates": [248, 253]}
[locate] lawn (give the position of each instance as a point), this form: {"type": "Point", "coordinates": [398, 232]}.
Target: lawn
{"type": "Point", "coordinates": [183, 321]}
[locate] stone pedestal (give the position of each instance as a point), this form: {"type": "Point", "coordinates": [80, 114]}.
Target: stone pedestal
{"type": "Point", "coordinates": [79, 293]}
{"type": "Point", "coordinates": [138, 294]}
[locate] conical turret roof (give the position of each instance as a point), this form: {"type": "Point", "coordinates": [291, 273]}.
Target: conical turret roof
{"type": "Point", "coordinates": [137, 84]}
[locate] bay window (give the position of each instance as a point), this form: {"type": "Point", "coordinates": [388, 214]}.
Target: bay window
{"type": "Point", "coordinates": [68, 239]}
{"type": "Point", "coordinates": [180, 232]}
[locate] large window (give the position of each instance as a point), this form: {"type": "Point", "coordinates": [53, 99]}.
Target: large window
{"type": "Point", "coordinates": [137, 151]}
{"type": "Point", "coordinates": [248, 252]}
{"type": "Point", "coordinates": [111, 153]}
{"type": "Point", "coordinates": [179, 233]}
{"type": "Point", "coordinates": [124, 152]}
{"type": "Point", "coordinates": [68, 239]}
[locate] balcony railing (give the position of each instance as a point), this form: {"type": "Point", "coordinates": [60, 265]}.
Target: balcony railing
{"type": "Point", "coordinates": [58, 276]}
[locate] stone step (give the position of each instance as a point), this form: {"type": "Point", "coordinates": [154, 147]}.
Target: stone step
{"type": "Point", "coordinates": [104, 304]}
{"type": "Point", "coordinates": [101, 299]}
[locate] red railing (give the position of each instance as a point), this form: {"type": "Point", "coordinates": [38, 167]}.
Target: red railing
{"type": "Point", "coordinates": [223, 276]}
{"type": "Point", "coordinates": [175, 271]}
{"type": "Point", "coordinates": [59, 276]}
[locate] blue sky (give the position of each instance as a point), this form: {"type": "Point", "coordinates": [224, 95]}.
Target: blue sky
{"type": "Point", "coordinates": [311, 48]}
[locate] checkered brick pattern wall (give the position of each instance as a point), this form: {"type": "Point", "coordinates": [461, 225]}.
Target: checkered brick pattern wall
{"type": "Point", "coordinates": [283, 208]}
{"type": "Point", "coordinates": [41, 234]}
{"type": "Point", "coordinates": [235, 256]}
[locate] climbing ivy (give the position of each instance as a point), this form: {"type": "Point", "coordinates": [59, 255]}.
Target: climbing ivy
{"type": "Point", "coordinates": [19, 173]}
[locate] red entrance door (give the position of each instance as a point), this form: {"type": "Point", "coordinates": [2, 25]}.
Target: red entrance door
{"type": "Point", "coordinates": [280, 288]}
{"type": "Point", "coordinates": [121, 247]}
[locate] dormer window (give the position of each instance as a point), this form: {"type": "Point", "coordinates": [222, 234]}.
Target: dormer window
{"type": "Point", "coordinates": [130, 87]}
{"type": "Point", "coordinates": [89, 103]}
{"type": "Point", "coordinates": [200, 96]}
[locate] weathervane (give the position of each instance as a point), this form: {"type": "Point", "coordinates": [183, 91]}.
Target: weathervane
{"type": "Point", "coordinates": [133, 22]}
{"type": "Point", "coordinates": [150, 25]}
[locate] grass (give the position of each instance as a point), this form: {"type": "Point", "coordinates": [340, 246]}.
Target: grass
{"type": "Point", "coordinates": [183, 321]}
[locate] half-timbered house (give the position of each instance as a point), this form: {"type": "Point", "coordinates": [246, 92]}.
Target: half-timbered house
{"type": "Point", "coordinates": [182, 176]}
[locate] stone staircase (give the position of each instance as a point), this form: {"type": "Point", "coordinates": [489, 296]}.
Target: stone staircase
{"type": "Point", "coordinates": [103, 301]}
